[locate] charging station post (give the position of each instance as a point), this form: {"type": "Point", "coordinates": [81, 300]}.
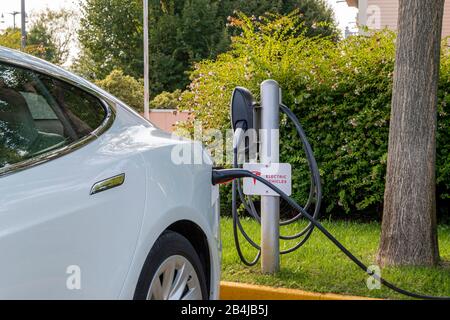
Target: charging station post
{"type": "Point", "coordinates": [269, 153]}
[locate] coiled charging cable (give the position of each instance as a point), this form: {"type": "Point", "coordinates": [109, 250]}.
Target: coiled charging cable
{"type": "Point", "coordinates": [314, 198]}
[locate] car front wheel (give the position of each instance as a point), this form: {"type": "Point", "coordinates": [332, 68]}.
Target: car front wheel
{"type": "Point", "coordinates": [172, 271]}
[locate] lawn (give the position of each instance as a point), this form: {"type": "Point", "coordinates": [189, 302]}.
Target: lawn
{"type": "Point", "coordinates": [320, 267]}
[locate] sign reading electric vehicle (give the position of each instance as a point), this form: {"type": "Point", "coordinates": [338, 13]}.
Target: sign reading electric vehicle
{"type": "Point", "coordinates": [278, 174]}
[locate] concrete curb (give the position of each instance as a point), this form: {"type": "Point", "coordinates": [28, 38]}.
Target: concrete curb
{"type": "Point", "coordinates": [244, 291]}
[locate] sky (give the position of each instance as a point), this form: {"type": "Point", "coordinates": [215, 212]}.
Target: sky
{"type": "Point", "coordinates": [8, 6]}
{"type": "Point", "coordinates": [345, 15]}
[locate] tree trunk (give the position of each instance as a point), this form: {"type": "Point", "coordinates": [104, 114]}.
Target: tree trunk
{"type": "Point", "coordinates": [409, 235]}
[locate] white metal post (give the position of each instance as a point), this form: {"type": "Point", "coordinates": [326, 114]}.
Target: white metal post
{"type": "Point", "coordinates": [146, 64]}
{"type": "Point", "coordinates": [269, 153]}
{"type": "Point", "coordinates": [23, 40]}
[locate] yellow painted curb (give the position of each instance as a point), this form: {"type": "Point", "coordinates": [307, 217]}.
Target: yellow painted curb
{"type": "Point", "coordinates": [244, 291]}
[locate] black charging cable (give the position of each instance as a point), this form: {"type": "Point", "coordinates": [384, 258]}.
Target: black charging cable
{"type": "Point", "coordinates": [314, 198]}
{"type": "Point", "coordinates": [225, 175]}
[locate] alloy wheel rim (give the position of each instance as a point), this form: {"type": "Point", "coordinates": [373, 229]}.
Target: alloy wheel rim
{"type": "Point", "coordinates": [175, 279]}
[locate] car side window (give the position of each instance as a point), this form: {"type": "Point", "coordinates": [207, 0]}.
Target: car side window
{"type": "Point", "coordinates": [39, 114]}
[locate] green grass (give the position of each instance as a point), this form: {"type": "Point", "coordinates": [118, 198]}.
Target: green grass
{"type": "Point", "coordinates": [320, 267]}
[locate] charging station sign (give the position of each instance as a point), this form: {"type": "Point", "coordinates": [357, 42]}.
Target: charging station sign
{"type": "Point", "coordinates": [279, 174]}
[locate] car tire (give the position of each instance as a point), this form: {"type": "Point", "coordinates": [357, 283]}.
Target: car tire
{"type": "Point", "coordinates": [172, 271]}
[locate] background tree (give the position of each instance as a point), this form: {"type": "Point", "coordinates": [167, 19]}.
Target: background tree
{"type": "Point", "coordinates": [316, 15]}
{"type": "Point", "coordinates": [167, 100]}
{"type": "Point", "coordinates": [11, 38]}
{"type": "Point", "coordinates": [54, 30]}
{"type": "Point", "coordinates": [409, 233]}
{"type": "Point", "coordinates": [126, 88]}
{"type": "Point", "coordinates": [182, 33]}
{"type": "Point", "coordinates": [50, 35]}
{"type": "Point", "coordinates": [110, 37]}
{"type": "Point", "coordinates": [39, 36]}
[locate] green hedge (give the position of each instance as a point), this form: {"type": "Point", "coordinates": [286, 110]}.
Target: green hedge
{"type": "Point", "coordinates": [341, 93]}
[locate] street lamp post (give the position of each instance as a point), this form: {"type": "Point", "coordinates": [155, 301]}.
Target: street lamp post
{"type": "Point", "coordinates": [14, 14]}
{"type": "Point", "coordinates": [23, 41]}
{"type": "Point", "coordinates": [146, 64]}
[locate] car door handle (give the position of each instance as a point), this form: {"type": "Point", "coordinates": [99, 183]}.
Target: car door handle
{"type": "Point", "coordinates": [108, 183]}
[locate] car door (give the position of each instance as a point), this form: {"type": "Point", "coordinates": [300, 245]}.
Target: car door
{"type": "Point", "coordinates": [70, 205]}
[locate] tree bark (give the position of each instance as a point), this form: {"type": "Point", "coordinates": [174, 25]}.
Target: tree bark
{"type": "Point", "coordinates": [409, 235]}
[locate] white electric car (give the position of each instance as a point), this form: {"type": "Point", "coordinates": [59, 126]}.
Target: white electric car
{"type": "Point", "coordinates": [92, 203]}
